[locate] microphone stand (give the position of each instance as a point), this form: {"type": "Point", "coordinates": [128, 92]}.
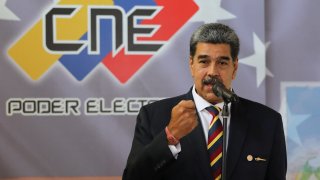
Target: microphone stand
{"type": "Point", "coordinates": [225, 115]}
{"type": "Point", "coordinates": [228, 96]}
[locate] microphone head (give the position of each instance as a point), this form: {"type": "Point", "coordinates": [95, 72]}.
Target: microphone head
{"type": "Point", "coordinates": [221, 91]}
{"type": "Point", "coordinates": [216, 88]}
{"type": "Point", "coordinates": [234, 98]}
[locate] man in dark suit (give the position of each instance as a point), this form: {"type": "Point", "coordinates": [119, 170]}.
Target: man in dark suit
{"type": "Point", "coordinates": [171, 135]}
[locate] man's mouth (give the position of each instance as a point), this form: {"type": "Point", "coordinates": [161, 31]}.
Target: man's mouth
{"type": "Point", "coordinates": [207, 81]}
{"type": "Point", "coordinates": [210, 80]}
{"type": "Point", "coordinates": [207, 87]}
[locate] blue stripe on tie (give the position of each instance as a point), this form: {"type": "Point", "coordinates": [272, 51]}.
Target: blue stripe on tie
{"type": "Point", "coordinates": [215, 146]}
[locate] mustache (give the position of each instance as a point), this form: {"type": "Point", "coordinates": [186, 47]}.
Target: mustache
{"type": "Point", "coordinates": [210, 80]}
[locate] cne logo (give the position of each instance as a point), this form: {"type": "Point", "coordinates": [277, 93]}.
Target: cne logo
{"type": "Point", "coordinates": [80, 34]}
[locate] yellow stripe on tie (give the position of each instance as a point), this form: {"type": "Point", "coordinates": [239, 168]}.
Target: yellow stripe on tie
{"type": "Point", "coordinates": [213, 121]}
{"type": "Point", "coordinates": [218, 178]}
{"type": "Point", "coordinates": [215, 140]}
{"type": "Point", "coordinates": [216, 159]}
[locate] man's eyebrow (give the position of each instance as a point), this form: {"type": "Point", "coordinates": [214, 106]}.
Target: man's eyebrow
{"type": "Point", "coordinates": [202, 56]}
{"type": "Point", "coordinates": [223, 58]}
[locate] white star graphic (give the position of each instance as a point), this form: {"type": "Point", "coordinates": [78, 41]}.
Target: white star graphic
{"type": "Point", "coordinates": [294, 121]}
{"type": "Point", "coordinates": [211, 11]}
{"type": "Point", "coordinates": [258, 59]}
{"type": "Point", "coordinates": [290, 121]}
{"type": "Point", "coordinates": [6, 13]}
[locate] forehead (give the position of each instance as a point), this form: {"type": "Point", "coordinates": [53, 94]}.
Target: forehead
{"type": "Point", "coordinates": [213, 49]}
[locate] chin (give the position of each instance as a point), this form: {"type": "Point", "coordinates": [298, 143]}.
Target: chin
{"type": "Point", "coordinates": [212, 98]}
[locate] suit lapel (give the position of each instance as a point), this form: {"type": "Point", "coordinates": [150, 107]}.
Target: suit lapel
{"type": "Point", "coordinates": [196, 143]}
{"type": "Point", "coordinates": [237, 134]}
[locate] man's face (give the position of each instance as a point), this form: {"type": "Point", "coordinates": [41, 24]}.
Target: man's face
{"type": "Point", "coordinates": [212, 60]}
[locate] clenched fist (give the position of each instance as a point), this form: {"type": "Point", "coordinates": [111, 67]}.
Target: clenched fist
{"type": "Point", "coordinates": [183, 119]}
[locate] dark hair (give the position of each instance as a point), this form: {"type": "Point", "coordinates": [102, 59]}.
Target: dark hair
{"type": "Point", "coordinates": [215, 33]}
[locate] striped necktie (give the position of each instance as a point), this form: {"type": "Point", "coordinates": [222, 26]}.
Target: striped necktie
{"type": "Point", "coordinates": [215, 141]}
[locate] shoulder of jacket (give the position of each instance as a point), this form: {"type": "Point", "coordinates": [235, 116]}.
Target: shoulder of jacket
{"type": "Point", "coordinates": [253, 105]}
{"type": "Point", "coordinates": [169, 102]}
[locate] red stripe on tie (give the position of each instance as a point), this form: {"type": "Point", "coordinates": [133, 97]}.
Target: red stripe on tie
{"type": "Point", "coordinates": [217, 172]}
{"type": "Point", "coordinates": [215, 153]}
{"type": "Point", "coordinates": [215, 134]}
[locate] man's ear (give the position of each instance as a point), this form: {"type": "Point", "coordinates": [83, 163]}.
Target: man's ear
{"type": "Point", "coordinates": [235, 70]}
{"type": "Point", "coordinates": [190, 61]}
{"type": "Point", "coordinates": [191, 64]}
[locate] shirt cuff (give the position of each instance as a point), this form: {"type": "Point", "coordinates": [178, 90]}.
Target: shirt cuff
{"type": "Point", "coordinates": [175, 149]}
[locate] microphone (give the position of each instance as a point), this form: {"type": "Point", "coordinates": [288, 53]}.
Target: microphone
{"type": "Point", "coordinates": [220, 90]}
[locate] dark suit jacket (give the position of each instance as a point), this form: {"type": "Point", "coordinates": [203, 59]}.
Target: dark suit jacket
{"type": "Point", "coordinates": [255, 130]}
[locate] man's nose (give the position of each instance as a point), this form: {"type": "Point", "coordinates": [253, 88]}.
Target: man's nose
{"type": "Point", "coordinates": [212, 69]}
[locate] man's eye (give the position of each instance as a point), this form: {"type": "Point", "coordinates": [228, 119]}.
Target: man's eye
{"type": "Point", "coordinates": [223, 62]}
{"type": "Point", "coordinates": [203, 61]}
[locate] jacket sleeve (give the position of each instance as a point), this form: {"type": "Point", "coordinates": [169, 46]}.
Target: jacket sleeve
{"type": "Point", "coordinates": [277, 167]}
{"type": "Point", "coordinates": [149, 153]}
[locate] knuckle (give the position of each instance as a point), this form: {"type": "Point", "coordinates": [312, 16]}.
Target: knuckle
{"type": "Point", "coordinates": [181, 110]}
{"type": "Point", "coordinates": [182, 102]}
{"type": "Point", "coordinates": [184, 116]}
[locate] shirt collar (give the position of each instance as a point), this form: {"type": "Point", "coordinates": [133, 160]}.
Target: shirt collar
{"type": "Point", "coordinates": [202, 103]}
